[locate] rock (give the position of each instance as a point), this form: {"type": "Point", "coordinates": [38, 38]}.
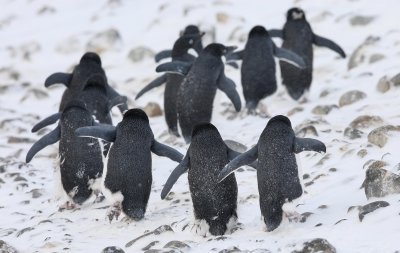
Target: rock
{"type": "Point", "coordinates": [307, 131]}
{"type": "Point", "coordinates": [318, 245]}
{"type": "Point", "coordinates": [375, 58]}
{"type": "Point", "coordinates": [379, 136]}
{"type": "Point", "coordinates": [366, 121]}
{"type": "Point", "coordinates": [304, 216]}
{"type": "Point", "coordinates": [222, 17]}
{"type": "Point", "coordinates": [323, 109]}
{"type": "Point", "coordinates": [152, 109]}
{"type": "Point", "coordinates": [380, 182]}
{"type": "Point", "coordinates": [396, 80]}
{"type": "Point", "coordinates": [36, 193]}
{"type": "Point", "coordinates": [36, 93]}
{"type": "Point", "coordinates": [22, 231]}
{"type": "Point", "coordinates": [353, 133]}
{"type": "Point", "coordinates": [157, 231]}
{"type": "Point", "coordinates": [362, 153]}
{"type": "Point", "coordinates": [375, 164]}
{"type": "Point", "coordinates": [6, 248]}
{"type": "Point", "coordinates": [351, 97]}
{"type": "Point", "coordinates": [17, 140]}
{"type": "Point", "coordinates": [139, 53]}
{"type": "Point", "coordinates": [294, 110]}
{"type": "Point", "coordinates": [112, 249]}
{"type": "Point", "coordinates": [361, 20]}
{"type": "Point", "coordinates": [177, 245]}
{"type": "Point", "coordinates": [369, 208]}
{"type": "Point", "coordinates": [358, 56]}
{"type": "Point", "coordinates": [46, 10]}
{"type": "Point", "coordinates": [383, 84]}
{"type": "Point", "coordinates": [104, 41]}
{"type": "Point", "coordinates": [230, 250]}
{"type": "Point", "coordinates": [150, 245]}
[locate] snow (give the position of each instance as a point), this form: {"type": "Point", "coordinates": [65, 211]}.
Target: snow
{"type": "Point", "coordinates": [156, 25]}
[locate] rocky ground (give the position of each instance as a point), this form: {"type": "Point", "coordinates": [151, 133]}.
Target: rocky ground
{"type": "Point", "coordinates": [351, 200]}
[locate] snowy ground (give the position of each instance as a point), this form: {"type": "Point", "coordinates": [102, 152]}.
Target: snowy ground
{"type": "Point", "coordinates": [43, 37]}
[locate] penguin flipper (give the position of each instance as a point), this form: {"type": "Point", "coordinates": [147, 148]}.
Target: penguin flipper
{"type": "Point", "coordinates": [232, 154]}
{"type": "Point", "coordinates": [103, 131]}
{"type": "Point", "coordinates": [229, 88]}
{"type": "Point", "coordinates": [111, 94]}
{"type": "Point", "coordinates": [45, 122]}
{"type": "Point", "coordinates": [244, 159]}
{"type": "Point", "coordinates": [163, 54]}
{"type": "Point", "coordinates": [308, 144]}
{"type": "Point", "coordinates": [324, 42]}
{"type": "Point", "coordinates": [59, 77]}
{"type": "Point", "coordinates": [275, 33]}
{"type": "Point", "coordinates": [164, 150]}
{"type": "Point", "coordinates": [43, 142]}
{"type": "Point", "coordinates": [176, 173]}
{"type": "Point", "coordinates": [119, 101]}
{"type": "Point", "coordinates": [289, 57]}
{"type": "Point", "coordinates": [234, 56]}
{"type": "Point", "coordinates": [176, 67]}
{"type": "Point", "coordinates": [155, 83]}
{"type": "Point", "coordinates": [232, 64]}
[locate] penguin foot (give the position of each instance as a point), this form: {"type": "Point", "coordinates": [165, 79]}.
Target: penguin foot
{"type": "Point", "coordinates": [114, 211]}
{"type": "Point", "coordinates": [66, 206]}
{"type": "Point", "coordinates": [292, 216]}
{"type": "Point", "coordinates": [99, 196]}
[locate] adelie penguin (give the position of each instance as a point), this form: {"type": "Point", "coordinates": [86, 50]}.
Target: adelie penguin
{"type": "Point", "coordinates": [298, 37]}
{"type": "Point", "coordinates": [173, 81]}
{"type": "Point", "coordinates": [197, 91]}
{"type": "Point", "coordinates": [258, 66]}
{"type": "Point", "coordinates": [127, 174]}
{"type": "Point", "coordinates": [212, 201]}
{"type": "Point", "coordinates": [277, 170]}
{"type": "Point", "coordinates": [89, 64]}
{"type": "Point", "coordinates": [80, 158]}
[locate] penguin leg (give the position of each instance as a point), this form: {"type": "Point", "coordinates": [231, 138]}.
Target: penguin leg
{"type": "Point", "coordinates": [68, 205]}
{"type": "Point", "coordinates": [114, 211]}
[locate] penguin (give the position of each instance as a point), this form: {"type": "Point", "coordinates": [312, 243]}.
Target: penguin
{"type": "Point", "coordinates": [258, 66]}
{"type": "Point", "coordinates": [173, 81]}
{"type": "Point", "coordinates": [197, 91]}
{"type": "Point", "coordinates": [192, 30]}
{"type": "Point", "coordinates": [80, 158]}
{"type": "Point", "coordinates": [213, 202]}
{"type": "Point", "coordinates": [127, 174]}
{"type": "Point", "coordinates": [277, 170]}
{"type": "Point", "coordinates": [298, 37]}
{"type": "Point", "coordinates": [90, 63]}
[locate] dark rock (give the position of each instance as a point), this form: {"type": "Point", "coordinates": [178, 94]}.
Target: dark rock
{"type": "Point", "coordinates": [6, 248]}
{"type": "Point", "coordinates": [304, 216]}
{"type": "Point", "coordinates": [351, 97]}
{"type": "Point", "coordinates": [22, 231]}
{"type": "Point", "coordinates": [366, 121]}
{"type": "Point", "coordinates": [383, 84]}
{"type": "Point", "coordinates": [36, 193]}
{"type": "Point", "coordinates": [369, 208]}
{"type": "Point", "coordinates": [157, 231]}
{"type": "Point", "coordinates": [230, 250]}
{"type": "Point", "coordinates": [112, 249]}
{"type": "Point", "coordinates": [362, 153]}
{"type": "Point", "coordinates": [376, 57]}
{"type": "Point", "coordinates": [396, 80]}
{"type": "Point", "coordinates": [317, 245]}
{"type": "Point", "coordinates": [380, 182]}
{"type": "Point", "coordinates": [307, 131]}
{"type": "Point", "coordinates": [323, 109]}
{"type": "Point", "coordinates": [353, 133]}
{"type": "Point", "coordinates": [375, 164]}
{"type": "Point", "coordinates": [177, 245]}
{"type": "Point", "coordinates": [380, 136]}
{"type": "Point", "coordinates": [361, 20]}
{"type": "Point", "coordinates": [150, 245]}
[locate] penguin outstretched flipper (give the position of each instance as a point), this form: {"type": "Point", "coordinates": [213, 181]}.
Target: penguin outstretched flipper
{"type": "Point", "coordinates": [324, 42]}
{"type": "Point", "coordinates": [43, 142]}
{"type": "Point", "coordinates": [164, 150]}
{"type": "Point", "coordinates": [163, 54]}
{"type": "Point", "coordinates": [276, 33]}
{"type": "Point", "coordinates": [229, 88]}
{"type": "Point", "coordinates": [64, 78]}
{"type": "Point", "coordinates": [308, 144]}
{"type": "Point", "coordinates": [155, 83]}
{"type": "Point", "coordinates": [47, 121]}
{"type": "Point", "coordinates": [244, 159]}
{"type": "Point", "coordinates": [102, 131]}
{"type": "Point", "coordinates": [175, 174]}
{"type": "Point", "coordinates": [289, 57]}
{"type": "Point", "coordinates": [117, 101]}
{"type": "Point", "coordinates": [177, 67]}
{"type": "Point", "coordinates": [112, 94]}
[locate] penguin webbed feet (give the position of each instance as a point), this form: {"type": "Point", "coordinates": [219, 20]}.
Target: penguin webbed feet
{"type": "Point", "coordinates": [99, 196]}
{"type": "Point", "coordinates": [114, 211]}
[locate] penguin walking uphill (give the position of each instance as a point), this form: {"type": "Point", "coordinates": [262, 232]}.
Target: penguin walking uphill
{"type": "Point", "coordinates": [127, 176]}
{"type": "Point", "coordinates": [173, 81]}
{"type": "Point", "coordinates": [258, 66]}
{"type": "Point", "coordinates": [277, 171]}
{"type": "Point", "coordinates": [212, 201]}
{"type": "Point", "coordinates": [298, 37]}
{"type": "Point", "coordinates": [197, 91]}
{"type": "Point", "coordinates": [80, 158]}
{"type": "Point", "coordinates": [89, 64]}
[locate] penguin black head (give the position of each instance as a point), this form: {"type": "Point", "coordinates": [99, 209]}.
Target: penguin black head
{"type": "Point", "coordinates": [96, 80]}
{"type": "Point", "coordinates": [75, 103]}
{"type": "Point", "coordinates": [136, 114]}
{"type": "Point", "coordinates": [191, 29]}
{"type": "Point", "coordinates": [90, 56]}
{"type": "Point", "coordinates": [280, 118]}
{"type": "Point", "coordinates": [295, 14]}
{"type": "Point", "coordinates": [258, 30]}
{"type": "Point", "coordinates": [219, 49]}
{"type": "Point", "coordinates": [187, 41]}
{"type": "Point", "coordinates": [203, 127]}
